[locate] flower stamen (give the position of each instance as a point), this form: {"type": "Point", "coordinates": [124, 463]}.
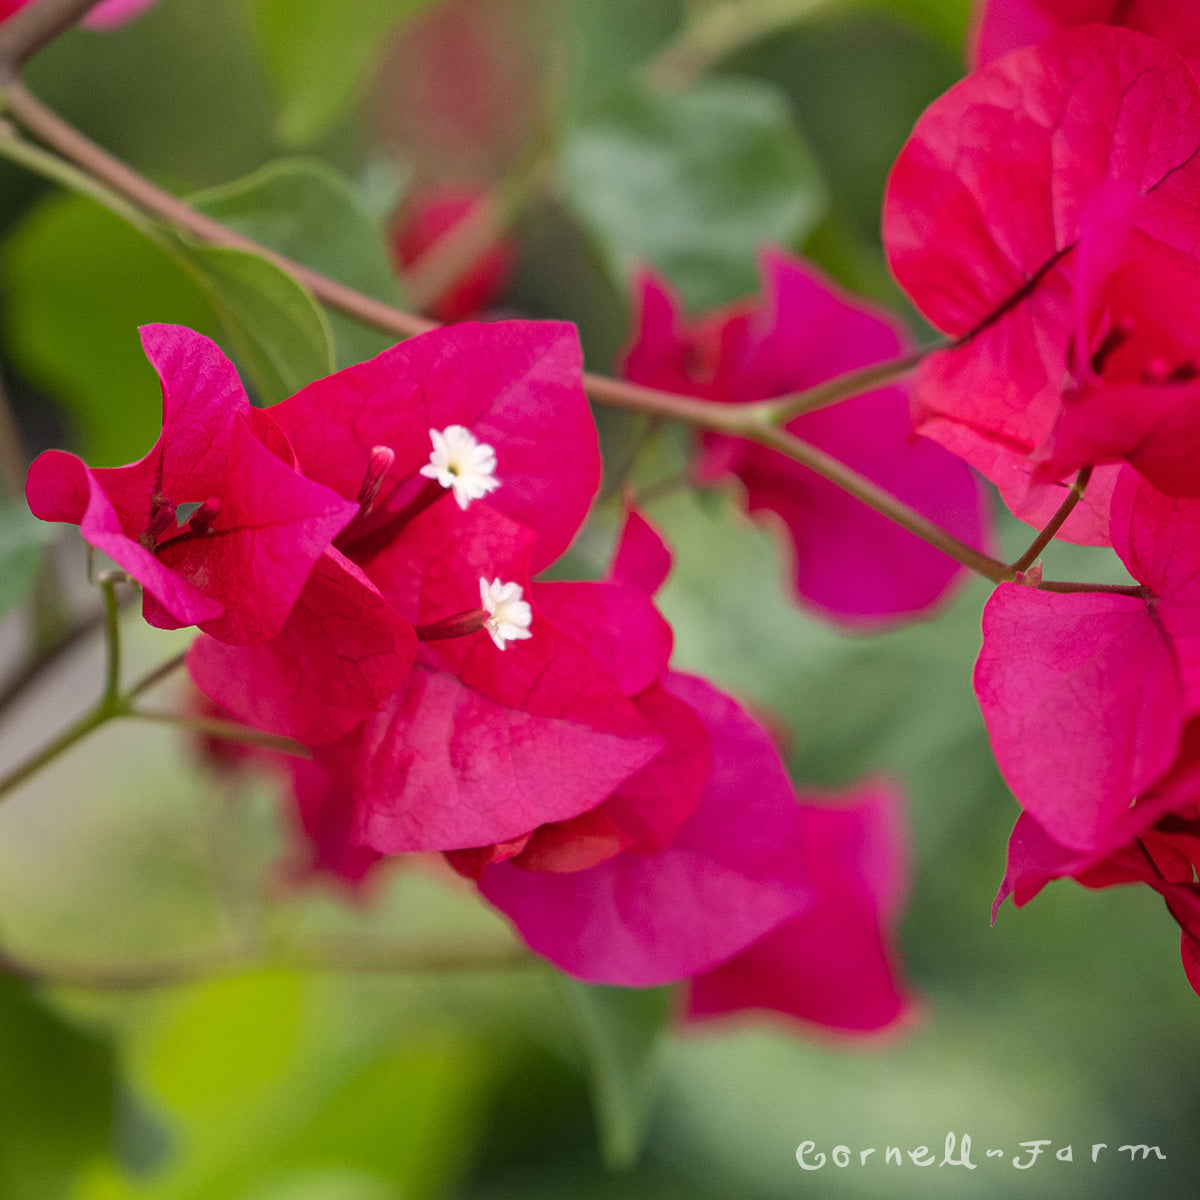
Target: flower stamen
{"type": "Point", "coordinates": [508, 614]}
{"type": "Point", "coordinates": [462, 463]}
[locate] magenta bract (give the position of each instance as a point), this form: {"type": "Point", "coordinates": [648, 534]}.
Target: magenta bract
{"type": "Point", "coordinates": [984, 211]}
{"type": "Point", "coordinates": [1083, 703]}
{"type": "Point", "coordinates": [514, 384]}
{"type": "Point", "coordinates": [1004, 25]}
{"type": "Point", "coordinates": [704, 861]}
{"type": "Point", "coordinates": [847, 560]}
{"type": "Point", "coordinates": [236, 562]}
{"type": "Point", "coordinates": [342, 651]}
{"type": "Point", "coordinates": [835, 963]}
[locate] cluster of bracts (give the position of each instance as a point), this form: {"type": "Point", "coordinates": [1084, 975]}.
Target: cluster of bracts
{"type": "Point", "coordinates": [363, 559]}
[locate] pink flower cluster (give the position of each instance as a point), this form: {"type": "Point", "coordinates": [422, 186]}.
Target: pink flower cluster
{"type": "Point", "coordinates": [361, 561]}
{"type": "Point", "coordinates": [1045, 214]}
{"type": "Point", "coordinates": [847, 561]}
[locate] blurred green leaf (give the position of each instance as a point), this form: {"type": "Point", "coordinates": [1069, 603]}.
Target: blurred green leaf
{"type": "Point", "coordinates": [56, 1098]}
{"type": "Point", "coordinates": [318, 56]}
{"type": "Point", "coordinates": [612, 40]}
{"type": "Point", "coordinates": [621, 1030]}
{"type": "Point", "coordinates": [307, 211]}
{"type": "Point", "coordinates": [693, 184]}
{"type": "Point", "coordinates": [22, 537]}
{"type": "Point", "coordinates": [78, 282]}
{"type": "Point", "coordinates": [277, 332]}
{"type": "Point", "coordinates": [945, 20]}
{"type": "Point", "coordinates": [268, 1087]}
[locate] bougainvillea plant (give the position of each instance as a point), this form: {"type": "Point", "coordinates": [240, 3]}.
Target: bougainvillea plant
{"type": "Point", "coordinates": [429, 596]}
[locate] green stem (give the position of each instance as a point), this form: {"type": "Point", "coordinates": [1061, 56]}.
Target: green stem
{"type": "Point", "coordinates": [716, 32]}
{"type": "Point", "coordinates": [1114, 589]}
{"type": "Point", "coordinates": [50, 166]}
{"type": "Point", "coordinates": [882, 502]}
{"type": "Point", "coordinates": [1043, 539]}
{"type": "Point", "coordinates": [846, 386]}
{"type": "Point", "coordinates": [65, 740]}
{"type": "Point", "coordinates": [229, 730]}
{"type": "Point", "coordinates": [111, 703]}
{"type": "Point", "coordinates": [110, 699]}
{"type": "Point", "coordinates": [156, 676]}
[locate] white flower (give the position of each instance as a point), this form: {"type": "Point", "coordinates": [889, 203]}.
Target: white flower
{"type": "Point", "coordinates": [460, 462]}
{"type": "Point", "coordinates": [508, 616]}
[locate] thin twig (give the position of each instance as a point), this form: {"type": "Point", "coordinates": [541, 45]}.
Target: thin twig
{"type": "Point", "coordinates": [230, 731]}
{"type": "Point", "coordinates": [26, 32]}
{"type": "Point", "coordinates": [49, 128]}
{"type": "Point", "coordinates": [882, 502]}
{"type": "Point", "coordinates": [844, 387]}
{"type": "Point", "coordinates": [1065, 509]}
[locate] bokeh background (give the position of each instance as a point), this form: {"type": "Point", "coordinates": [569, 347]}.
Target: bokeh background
{"type": "Point", "coordinates": [607, 132]}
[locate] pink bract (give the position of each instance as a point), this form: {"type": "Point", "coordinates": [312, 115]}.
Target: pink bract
{"type": "Point", "coordinates": [835, 964]}
{"type": "Point", "coordinates": [423, 219]}
{"type": "Point", "coordinates": [847, 560]}
{"type": "Point", "coordinates": [751, 879]}
{"type": "Point", "coordinates": [1003, 25]}
{"type": "Point", "coordinates": [514, 384]}
{"type": "Point", "coordinates": [236, 564]}
{"type": "Point", "coordinates": [1083, 703]}
{"type": "Point", "coordinates": [487, 750]}
{"type": "Point", "coordinates": [705, 862]}
{"type": "Point", "coordinates": [411, 555]}
{"type": "Point", "coordinates": [1087, 695]}
{"type": "Point", "coordinates": [985, 208]}
{"type": "Point", "coordinates": [483, 745]}
{"type": "Point", "coordinates": [1162, 851]}
{"type": "Point", "coordinates": [110, 13]}
{"type": "Point", "coordinates": [342, 651]}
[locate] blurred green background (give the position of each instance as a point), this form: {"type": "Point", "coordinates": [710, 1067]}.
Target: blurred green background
{"type": "Point", "coordinates": [616, 131]}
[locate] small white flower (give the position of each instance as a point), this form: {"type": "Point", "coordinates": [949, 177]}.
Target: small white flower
{"type": "Point", "coordinates": [460, 462]}
{"type": "Point", "coordinates": [509, 617]}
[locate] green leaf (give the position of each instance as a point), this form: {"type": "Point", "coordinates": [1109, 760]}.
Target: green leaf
{"type": "Point", "coordinates": [269, 1087]}
{"type": "Point", "coordinates": [78, 282]}
{"type": "Point", "coordinates": [693, 184]}
{"type": "Point", "coordinates": [319, 56]}
{"type": "Point", "coordinates": [621, 1030]}
{"type": "Point", "coordinates": [612, 39]}
{"type": "Point", "coordinates": [278, 334]}
{"type": "Point", "coordinates": [56, 1098]}
{"type": "Point", "coordinates": [305, 210]}
{"type": "Point", "coordinates": [22, 537]}
{"type": "Point", "coordinates": [946, 20]}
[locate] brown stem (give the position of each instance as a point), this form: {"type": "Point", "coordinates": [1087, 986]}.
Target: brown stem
{"type": "Point", "coordinates": [25, 33]}
{"type": "Point", "coordinates": [751, 421]}
{"type": "Point", "coordinates": [882, 502]}
{"type": "Point", "coordinates": [844, 387]}
{"type": "Point", "coordinates": [49, 128]}
{"type": "Point", "coordinates": [1065, 509]}
{"type": "Point", "coordinates": [1116, 589]}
